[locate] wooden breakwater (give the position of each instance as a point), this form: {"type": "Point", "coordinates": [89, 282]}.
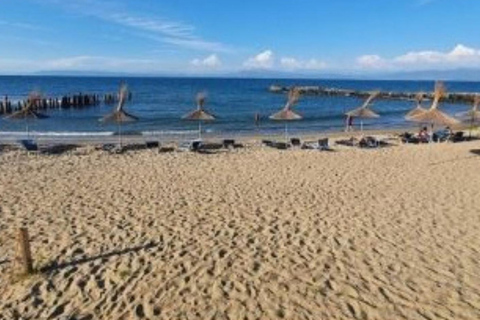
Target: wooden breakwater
{"type": "Point", "coordinates": [454, 97]}
{"type": "Point", "coordinates": [64, 102]}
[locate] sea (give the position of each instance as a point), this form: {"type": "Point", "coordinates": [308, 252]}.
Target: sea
{"type": "Point", "coordinates": [160, 103]}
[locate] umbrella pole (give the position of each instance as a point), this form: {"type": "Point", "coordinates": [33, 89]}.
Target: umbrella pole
{"type": "Point", "coordinates": [120, 134]}
{"type": "Point", "coordinates": [431, 133]}
{"type": "Point", "coordinates": [200, 130]}
{"type": "Point", "coordinates": [471, 127]}
{"type": "Point", "coordinates": [286, 132]}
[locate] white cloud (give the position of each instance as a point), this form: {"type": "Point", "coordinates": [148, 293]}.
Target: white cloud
{"type": "Point", "coordinates": [371, 61]}
{"type": "Point", "coordinates": [211, 62]}
{"type": "Point", "coordinates": [291, 63]}
{"type": "Point", "coordinates": [459, 56]}
{"type": "Point", "coordinates": [147, 26]}
{"type": "Point", "coordinates": [266, 60]}
{"type": "Point", "coordinates": [263, 60]}
{"type": "Point", "coordinates": [295, 64]}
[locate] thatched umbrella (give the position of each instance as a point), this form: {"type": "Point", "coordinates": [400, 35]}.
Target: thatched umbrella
{"type": "Point", "coordinates": [199, 114]}
{"type": "Point", "coordinates": [287, 114]}
{"type": "Point", "coordinates": [119, 115]}
{"type": "Point", "coordinates": [418, 109]}
{"type": "Point", "coordinates": [364, 112]}
{"type": "Point", "coordinates": [472, 116]}
{"type": "Point", "coordinates": [433, 115]}
{"type": "Point", "coordinates": [28, 111]}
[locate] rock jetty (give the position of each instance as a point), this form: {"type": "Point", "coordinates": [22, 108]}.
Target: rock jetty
{"type": "Point", "coordinates": [454, 97]}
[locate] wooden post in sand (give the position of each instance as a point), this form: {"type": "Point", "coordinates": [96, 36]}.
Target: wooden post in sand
{"type": "Point", "coordinates": [24, 254]}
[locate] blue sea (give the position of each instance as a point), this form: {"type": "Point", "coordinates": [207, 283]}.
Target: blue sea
{"type": "Point", "coordinates": [159, 103]}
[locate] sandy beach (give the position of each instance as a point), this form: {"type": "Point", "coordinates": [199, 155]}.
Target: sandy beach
{"type": "Point", "coordinates": [254, 233]}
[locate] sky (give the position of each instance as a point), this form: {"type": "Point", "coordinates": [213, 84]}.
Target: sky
{"type": "Point", "coordinates": [205, 37]}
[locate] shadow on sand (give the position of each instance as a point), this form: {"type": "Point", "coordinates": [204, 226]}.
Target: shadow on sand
{"type": "Point", "coordinates": [55, 266]}
{"type": "Point", "coordinates": [475, 151]}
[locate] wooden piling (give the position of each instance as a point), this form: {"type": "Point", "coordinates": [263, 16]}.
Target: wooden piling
{"type": "Point", "coordinates": [24, 254]}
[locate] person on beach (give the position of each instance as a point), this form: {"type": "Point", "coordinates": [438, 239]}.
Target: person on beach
{"type": "Point", "coordinates": [423, 135]}
{"type": "Point", "coordinates": [349, 124]}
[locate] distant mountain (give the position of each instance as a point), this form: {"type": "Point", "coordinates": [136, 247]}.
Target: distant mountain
{"type": "Point", "coordinates": [427, 75]}
{"type": "Point", "coordinates": [74, 73]}
{"type": "Point", "coordinates": [447, 75]}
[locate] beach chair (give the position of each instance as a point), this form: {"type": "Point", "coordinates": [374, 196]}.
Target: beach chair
{"type": "Point", "coordinates": [276, 145]}
{"type": "Point", "coordinates": [152, 145]}
{"type": "Point", "coordinates": [267, 143]}
{"type": "Point", "coordinates": [280, 145]}
{"type": "Point", "coordinates": [30, 146]}
{"type": "Point", "coordinates": [323, 144]}
{"type": "Point", "coordinates": [193, 146]}
{"type": "Point", "coordinates": [458, 136]}
{"type": "Point", "coordinates": [228, 143]}
{"type": "Point", "coordinates": [352, 142]}
{"type": "Point", "coordinates": [112, 148]}
{"type": "Point", "coordinates": [196, 145]}
{"type": "Point", "coordinates": [442, 136]}
{"type": "Point", "coordinates": [295, 142]}
{"type": "Point", "coordinates": [368, 142]}
{"type": "Point", "coordinates": [408, 137]}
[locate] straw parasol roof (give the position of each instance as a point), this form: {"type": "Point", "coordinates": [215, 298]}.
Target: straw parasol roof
{"type": "Point", "coordinates": [119, 115]}
{"type": "Point", "coordinates": [434, 115]}
{"type": "Point", "coordinates": [28, 111]}
{"type": "Point", "coordinates": [418, 109]}
{"type": "Point", "coordinates": [287, 114]}
{"type": "Point", "coordinates": [200, 114]}
{"type": "Point", "coordinates": [472, 115]}
{"type": "Point", "coordinates": [364, 111]}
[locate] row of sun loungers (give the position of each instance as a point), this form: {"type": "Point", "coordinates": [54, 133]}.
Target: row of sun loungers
{"type": "Point", "coordinates": [324, 144]}
{"type": "Point", "coordinates": [367, 142]}
{"type": "Point", "coordinates": [436, 137]}
{"type": "Point", "coordinates": [321, 144]}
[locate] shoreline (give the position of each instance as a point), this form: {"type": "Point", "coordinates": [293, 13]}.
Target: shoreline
{"type": "Point", "coordinates": [98, 138]}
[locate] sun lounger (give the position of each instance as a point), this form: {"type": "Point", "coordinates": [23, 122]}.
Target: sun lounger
{"type": "Point", "coordinates": [196, 145]}
{"type": "Point", "coordinates": [112, 148]}
{"type": "Point", "coordinates": [295, 142]}
{"type": "Point", "coordinates": [412, 138]}
{"type": "Point", "coordinates": [442, 136]}
{"type": "Point", "coordinates": [30, 146]}
{"type": "Point", "coordinates": [321, 144]}
{"type": "Point", "coordinates": [368, 142]}
{"type": "Point", "coordinates": [352, 142]}
{"type": "Point", "coordinates": [276, 144]}
{"type": "Point", "coordinates": [267, 143]}
{"type": "Point", "coordinates": [152, 145]}
{"type": "Point", "coordinates": [228, 143]}
{"type": "Point", "coordinates": [57, 149]}
{"type": "Point", "coordinates": [458, 136]}
{"type": "Point", "coordinates": [200, 146]}
{"type": "Point", "coordinates": [193, 145]}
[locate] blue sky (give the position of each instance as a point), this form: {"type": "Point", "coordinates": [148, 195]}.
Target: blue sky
{"type": "Point", "coordinates": [219, 36]}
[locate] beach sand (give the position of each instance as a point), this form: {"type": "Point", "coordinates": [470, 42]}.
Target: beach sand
{"type": "Point", "coordinates": [256, 233]}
